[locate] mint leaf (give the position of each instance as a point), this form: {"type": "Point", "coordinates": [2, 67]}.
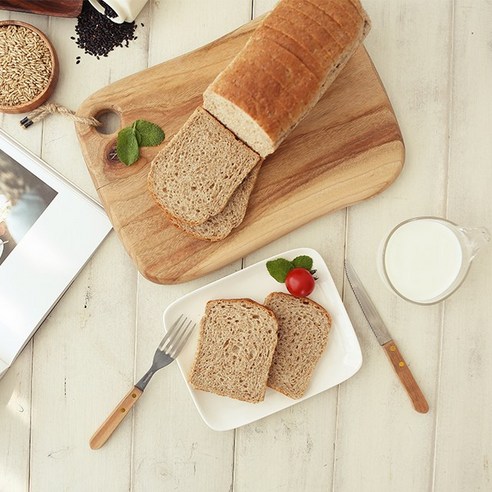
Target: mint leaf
{"type": "Point", "coordinates": [141, 133]}
{"type": "Point", "coordinates": [127, 146]}
{"type": "Point", "coordinates": [279, 269]}
{"type": "Point", "coordinates": [303, 262]}
{"type": "Point", "coordinates": [149, 133]}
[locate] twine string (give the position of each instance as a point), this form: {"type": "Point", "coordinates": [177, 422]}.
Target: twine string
{"type": "Point", "coordinates": [52, 108]}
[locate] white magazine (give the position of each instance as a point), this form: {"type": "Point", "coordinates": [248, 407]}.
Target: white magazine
{"type": "Point", "coordinates": [48, 231]}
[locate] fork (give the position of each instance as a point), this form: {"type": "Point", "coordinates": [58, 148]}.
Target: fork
{"type": "Point", "coordinates": [169, 348]}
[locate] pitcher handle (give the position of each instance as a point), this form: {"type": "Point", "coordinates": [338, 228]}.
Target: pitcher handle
{"type": "Point", "coordinates": [476, 237]}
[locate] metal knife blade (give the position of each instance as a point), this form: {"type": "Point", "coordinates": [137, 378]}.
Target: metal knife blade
{"type": "Point", "coordinates": [368, 308]}
{"type": "Point", "coordinates": [384, 338]}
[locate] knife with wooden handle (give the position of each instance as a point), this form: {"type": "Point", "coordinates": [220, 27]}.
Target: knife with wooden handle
{"type": "Point", "coordinates": [385, 340]}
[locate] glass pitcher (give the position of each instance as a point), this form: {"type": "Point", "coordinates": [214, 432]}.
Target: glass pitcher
{"type": "Point", "coordinates": [425, 259]}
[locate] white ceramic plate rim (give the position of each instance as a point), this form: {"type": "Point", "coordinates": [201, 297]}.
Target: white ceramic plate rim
{"type": "Point", "coordinates": [341, 360]}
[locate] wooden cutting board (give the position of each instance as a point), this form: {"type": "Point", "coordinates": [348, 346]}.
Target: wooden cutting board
{"type": "Point", "coordinates": [347, 149]}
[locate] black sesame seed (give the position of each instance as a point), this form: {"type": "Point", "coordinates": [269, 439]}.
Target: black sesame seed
{"type": "Point", "coordinates": [97, 35]}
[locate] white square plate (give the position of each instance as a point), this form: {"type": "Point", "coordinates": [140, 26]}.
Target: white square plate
{"type": "Point", "coordinates": [341, 360]}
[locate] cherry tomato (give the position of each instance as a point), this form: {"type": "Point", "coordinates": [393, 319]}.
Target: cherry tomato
{"type": "Point", "coordinates": [299, 282]}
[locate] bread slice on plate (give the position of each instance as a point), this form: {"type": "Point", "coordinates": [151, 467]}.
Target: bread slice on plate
{"type": "Point", "coordinates": [284, 69]}
{"type": "Point", "coordinates": [221, 225]}
{"type": "Point", "coordinates": [303, 327]}
{"type": "Point", "coordinates": [235, 348]}
{"type": "Point", "coordinates": [193, 177]}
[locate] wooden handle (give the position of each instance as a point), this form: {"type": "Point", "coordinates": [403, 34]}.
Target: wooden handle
{"type": "Point", "coordinates": [406, 377]}
{"type": "Point", "coordinates": [119, 413]}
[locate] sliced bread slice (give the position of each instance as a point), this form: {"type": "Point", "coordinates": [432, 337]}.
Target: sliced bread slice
{"type": "Point", "coordinates": [303, 327]}
{"type": "Point", "coordinates": [236, 344]}
{"type": "Point", "coordinates": [221, 225]}
{"type": "Point", "coordinates": [193, 177]}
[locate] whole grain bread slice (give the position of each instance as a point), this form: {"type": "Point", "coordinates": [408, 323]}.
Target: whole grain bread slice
{"type": "Point", "coordinates": [221, 225]}
{"type": "Point", "coordinates": [193, 177]}
{"type": "Point", "coordinates": [235, 348]}
{"type": "Point", "coordinates": [303, 327]}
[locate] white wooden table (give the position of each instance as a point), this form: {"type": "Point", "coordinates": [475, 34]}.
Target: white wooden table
{"type": "Point", "coordinates": [435, 59]}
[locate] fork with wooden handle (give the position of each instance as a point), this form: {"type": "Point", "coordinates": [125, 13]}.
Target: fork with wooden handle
{"type": "Point", "coordinates": [169, 348]}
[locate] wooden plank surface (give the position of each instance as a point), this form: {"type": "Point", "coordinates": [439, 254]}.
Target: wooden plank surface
{"type": "Point", "coordinates": [463, 459]}
{"type": "Point", "coordinates": [384, 413]}
{"type": "Point", "coordinates": [434, 59]}
{"type": "Point", "coordinates": [294, 450]}
{"type": "Point", "coordinates": [173, 448]}
{"type": "Point", "coordinates": [347, 149]}
{"type": "Point", "coordinates": [73, 386]}
{"type": "Point", "coordinates": [16, 386]}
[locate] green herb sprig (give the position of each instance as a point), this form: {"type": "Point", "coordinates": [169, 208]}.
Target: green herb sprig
{"type": "Point", "coordinates": [280, 267]}
{"type": "Point", "coordinates": [141, 133]}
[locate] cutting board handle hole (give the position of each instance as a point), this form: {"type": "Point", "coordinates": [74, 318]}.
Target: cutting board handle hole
{"type": "Point", "coordinates": [110, 121]}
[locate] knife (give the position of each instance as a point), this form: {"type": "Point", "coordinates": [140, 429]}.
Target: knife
{"type": "Point", "coordinates": [384, 338]}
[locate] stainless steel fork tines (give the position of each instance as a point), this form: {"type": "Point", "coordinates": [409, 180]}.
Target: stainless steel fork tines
{"type": "Point", "coordinates": [169, 348]}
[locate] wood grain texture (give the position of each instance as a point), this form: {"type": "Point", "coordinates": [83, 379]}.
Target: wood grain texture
{"type": "Point", "coordinates": [371, 403]}
{"type": "Point", "coordinates": [114, 419]}
{"type": "Point", "coordinates": [348, 148]}
{"type": "Point", "coordinates": [84, 357]}
{"type": "Point", "coordinates": [60, 8]}
{"type": "Point", "coordinates": [83, 364]}
{"type": "Point", "coordinates": [294, 450]}
{"type": "Point", "coordinates": [362, 435]}
{"type": "Point", "coordinates": [16, 385]}
{"type": "Point", "coordinates": [15, 415]}
{"type": "Point", "coordinates": [173, 448]}
{"type": "Point", "coordinates": [406, 377]}
{"type": "Point", "coordinates": [463, 459]}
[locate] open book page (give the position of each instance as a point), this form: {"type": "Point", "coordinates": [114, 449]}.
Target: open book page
{"type": "Point", "coordinates": [48, 231]}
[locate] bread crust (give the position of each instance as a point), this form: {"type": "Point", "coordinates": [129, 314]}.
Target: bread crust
{"type": "Point", "coordinates": [233, 392]}
{"type": "Point", "coordinates": [286, 345]}
{"type": "Point", "coordinates": [191, 186]}
{"type": "Point", "coordinates": [305, 300]}
{"type": "Point", "coordinates": [285, 67]}
{"type": "Point", "coordinates": [220, 226]}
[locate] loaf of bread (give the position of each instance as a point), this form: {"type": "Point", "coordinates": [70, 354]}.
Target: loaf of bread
{"type": "Point", "coordinates": [236, 343]}
{"type": "Point", "coordinates": [193, 177]}
{"type": "Point", "coordinates": [303, 327]}
{"type": "Point", "coordinates": [284, 69]}
{"type": "Point", "coordinates": [203, 177]}
{"type": "Point", "coordinates": [220, 226]}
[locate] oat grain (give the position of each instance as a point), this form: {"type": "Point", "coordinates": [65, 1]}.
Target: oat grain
{"type": "Point", "coordinates": [25, 65]}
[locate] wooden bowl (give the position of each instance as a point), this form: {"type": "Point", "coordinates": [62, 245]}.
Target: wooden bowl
{"type": "Point", "coordinates": [50, 87]}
